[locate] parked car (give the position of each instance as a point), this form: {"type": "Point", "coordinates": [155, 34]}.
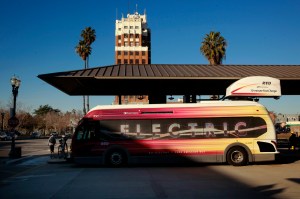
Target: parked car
{"type": "Point", "coordinates": [6, 136]}
{"type": "Point", "coordinates": [35, 135]}
{"type": "Point", "coordinates": [3, 136]}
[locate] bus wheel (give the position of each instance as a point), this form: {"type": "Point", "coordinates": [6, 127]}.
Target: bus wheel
{"type": "Point", "coordinates": [116, 158]}
{"type": "Point", "coordinates": [237, 156]}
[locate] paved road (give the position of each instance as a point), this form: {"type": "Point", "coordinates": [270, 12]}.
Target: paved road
{"type": "Point", "coordinates": [36, 178]}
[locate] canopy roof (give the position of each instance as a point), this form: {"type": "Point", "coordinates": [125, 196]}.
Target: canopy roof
{"type": "Point", "coordinates": [168, 79]}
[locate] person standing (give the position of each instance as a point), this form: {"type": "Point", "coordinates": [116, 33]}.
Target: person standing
{"type": "Point", "coordinates": [51, 143]}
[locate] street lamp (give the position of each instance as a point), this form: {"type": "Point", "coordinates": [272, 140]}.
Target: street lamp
{"type": "Point", "coordinates": [2, 124]}
{"type": "Point", "coordinates": [13, 121]}
{"type": "Point", "coordinates": [15, 83]}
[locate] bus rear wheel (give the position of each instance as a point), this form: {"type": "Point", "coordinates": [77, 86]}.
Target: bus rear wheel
{"type": "Point", "coordinates": [116, 158]}
{"type": "Point", "coordinates": [237, 156]}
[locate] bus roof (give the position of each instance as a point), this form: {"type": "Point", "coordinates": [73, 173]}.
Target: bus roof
{"type": "Point", "coordinates": [183, 105]}
{"type": "Point", "coordinates": [167, 111]}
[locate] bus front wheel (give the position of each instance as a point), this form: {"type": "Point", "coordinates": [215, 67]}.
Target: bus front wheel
{"type": "Point", "coordinates": [116, 158]}
{"type": "Point", "coordinates": [237, 156]}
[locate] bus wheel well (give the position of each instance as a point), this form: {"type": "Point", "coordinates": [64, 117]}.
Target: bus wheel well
{"type": "Point", "coordinates": [116, 157]}
{"type": "Point", "coordinates": [237, 156]}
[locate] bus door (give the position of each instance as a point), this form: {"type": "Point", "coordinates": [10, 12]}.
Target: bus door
{"type": "Point", "coordinates": [85, 142]}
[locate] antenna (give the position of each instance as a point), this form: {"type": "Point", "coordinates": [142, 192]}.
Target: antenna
{"type": "Point", "coordinates": [136, 8]}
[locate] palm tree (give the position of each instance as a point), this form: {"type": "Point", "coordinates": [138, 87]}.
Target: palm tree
{"type": "Point", "coordinates": [214, 48]}
{"type": "Point", "coordinates": [89, 36]}
{"type": "Point", "coordinates": [83, 50]}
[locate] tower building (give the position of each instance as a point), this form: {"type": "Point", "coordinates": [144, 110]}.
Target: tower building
{"type": "Point", "coordinates": [132, 46]}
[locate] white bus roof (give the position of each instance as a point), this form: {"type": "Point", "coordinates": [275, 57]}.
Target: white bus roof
{"type": "Point", "coordinates": [200, 104]}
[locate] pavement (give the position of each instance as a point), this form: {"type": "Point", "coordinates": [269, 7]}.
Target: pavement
{"type": "Point", "coordinates": [5, 159]}
{"type": "Point", "coordinates": [10, 161]}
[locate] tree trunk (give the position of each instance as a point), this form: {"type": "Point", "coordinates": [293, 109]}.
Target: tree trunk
{"type": "Point", "coordinates": [84, 110]}
{"type": "Point", "coordinates": [84, 105]}
{"type": "Point", "coordinates": [87, 97]}
{"type": "Point", "coordinates": [87, 103]}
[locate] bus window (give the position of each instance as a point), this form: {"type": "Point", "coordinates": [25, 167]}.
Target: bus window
{"type": "Point", "coordinates": [112, 129]}
{"type": "Point", "coordinates": [80, 132]}
{"type": "Point", "coordinates": [86, 131]}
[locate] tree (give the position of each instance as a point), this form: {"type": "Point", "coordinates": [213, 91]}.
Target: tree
{"type": "Point", "coordinates": [26, 121]}
{"type": "Point", "coordinates": [84, 49]}
{"type": "Point", "coordinates": [89, 36]}
{"type": "Point", "coordinates": [273, 116]}
{"type": "Point", "coordinates": [214, 48]}
{"type": "Point", "coordinates": [43, 110]}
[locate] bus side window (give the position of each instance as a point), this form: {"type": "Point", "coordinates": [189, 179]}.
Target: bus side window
{"type": "Point", "coordinates": [90, 133]}
{"type": "Point", "coordinates": [86, 132]}
{"type": "Point", "coordinates": [80, 133]}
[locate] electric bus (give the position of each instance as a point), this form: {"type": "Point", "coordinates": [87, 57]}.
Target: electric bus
{"type": "Point", "coordinates": [236, 132]}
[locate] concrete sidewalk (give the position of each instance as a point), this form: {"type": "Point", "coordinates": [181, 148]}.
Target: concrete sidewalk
{"type": "Point", "coordinates": [5, 159]}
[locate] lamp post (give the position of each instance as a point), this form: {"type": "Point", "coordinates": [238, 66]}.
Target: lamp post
{"type": "Point", "coordinates": [13, 121]}
{"type": "Point", "coordinates": [2, 124]}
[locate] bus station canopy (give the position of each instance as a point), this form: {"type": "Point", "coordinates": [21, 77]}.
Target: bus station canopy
{"type": "Point", "coordinates": [167, 79]}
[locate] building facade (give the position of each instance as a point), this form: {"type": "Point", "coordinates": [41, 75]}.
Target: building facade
{"type": "Point", "coordinates": [287, 118]}
{"type": "Point", "coordinates": [132, 46]}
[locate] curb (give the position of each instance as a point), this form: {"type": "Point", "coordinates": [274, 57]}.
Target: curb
{"type": "Point", "coordinates": [56, 161]}
{"type": "Point", "coordinates": [19, 160]}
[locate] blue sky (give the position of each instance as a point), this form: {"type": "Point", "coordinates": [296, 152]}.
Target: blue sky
{"type": "Point", "coordinates": [39, 37]}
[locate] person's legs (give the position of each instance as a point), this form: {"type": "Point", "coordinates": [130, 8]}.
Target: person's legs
{"type": "Point", "coordinates": [52, 150]}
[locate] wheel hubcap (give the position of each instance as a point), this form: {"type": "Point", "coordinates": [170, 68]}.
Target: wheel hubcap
{"type": "Point", "coordinates": [237, 157]}
{"type": "Point", "coordinates": [116, 158]}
